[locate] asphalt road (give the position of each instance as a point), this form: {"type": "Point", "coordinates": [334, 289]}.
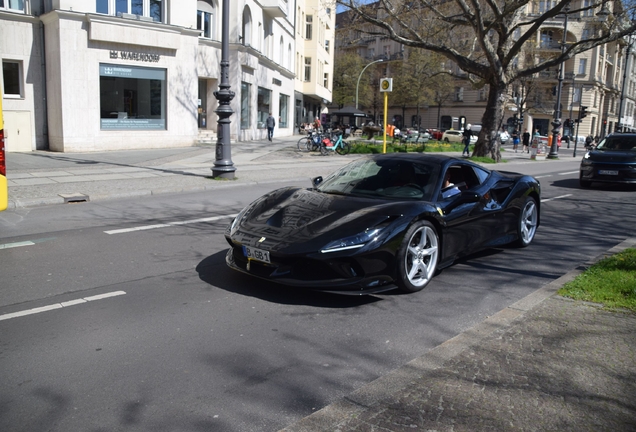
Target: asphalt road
{"type": "Point", "coordinates": [181, 343]}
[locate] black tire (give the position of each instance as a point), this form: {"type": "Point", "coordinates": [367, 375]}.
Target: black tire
{"type": "Point", "coordinates": [528, 222]}
{"type": "Point", "coordinates": [323, 149]}
{"type": "Point", "coordinates": [344, 149]}
{"type": "Point", "coordinates": [303, 144]}
{"type": "Point", "coordinates": [417, 257]}
{"type": "Point", "coordinates": [584, 183]}
{"type": "Point", "coordinates": [446, 140]}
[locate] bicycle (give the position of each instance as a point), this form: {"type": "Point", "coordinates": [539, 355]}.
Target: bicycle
{"type": "Point", "coordinates": [341, 147]}
{"type": "Point", "coordinates": [310, 142]}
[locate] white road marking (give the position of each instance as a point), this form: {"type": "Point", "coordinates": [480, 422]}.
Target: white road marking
{"type": "Point", "coordinates": [16, 244]}
{"type": "Point", "coordinates": [543, 176]}
{"type": "Point", "coordinates": [60, 305]}
{"type": "Point", "coordinates": [568, 173]}
{"type": "Point", "coordinates": [169, 224]}
{"type": "Point", "coordinates": [25, 243]}
{"type": "Point", "coordinates": [554, 198]}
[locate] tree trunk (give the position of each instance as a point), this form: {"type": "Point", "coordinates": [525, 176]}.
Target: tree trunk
{"type": "Point", "coordinates": [489, 142]}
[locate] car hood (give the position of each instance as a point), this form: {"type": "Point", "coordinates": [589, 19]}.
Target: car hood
{"type": "Point", "coordinates": [296, 220]}
{"type": "Point", "coordinates": [615, 156]}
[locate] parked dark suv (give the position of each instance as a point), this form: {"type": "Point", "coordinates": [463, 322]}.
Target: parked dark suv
{"type": "Point", "coordinates": [612, 161]}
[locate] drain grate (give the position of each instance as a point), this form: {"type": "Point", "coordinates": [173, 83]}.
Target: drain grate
{"type": "Point", "coordinates": [74, 197]}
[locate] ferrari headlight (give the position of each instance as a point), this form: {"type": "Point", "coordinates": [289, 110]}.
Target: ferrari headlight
{"type": "Point", "coordinates": [237, 219]}
{"type": "Point", "coordinates": [353, 242]}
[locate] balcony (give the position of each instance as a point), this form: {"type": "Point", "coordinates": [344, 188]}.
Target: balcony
{"type": "Point", "coordinates": [274, 8]}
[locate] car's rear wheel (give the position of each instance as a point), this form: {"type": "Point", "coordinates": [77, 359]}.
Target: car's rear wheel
{"type": "Point", "coordinates": [417, 257]}
{"type": "Point", "coordinates": [528, 221]}
{"type": "Point", "coordinates": [446, 140]}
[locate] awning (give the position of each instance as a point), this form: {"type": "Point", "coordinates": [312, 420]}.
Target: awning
{"type": "Point", "coordinates": [349, 112]}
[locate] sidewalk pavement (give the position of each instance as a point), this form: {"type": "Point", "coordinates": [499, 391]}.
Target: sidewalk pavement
{"type": "Point", "coordinates": [44, 178]}
{"type": "Point", "coordinates": [543, 363]}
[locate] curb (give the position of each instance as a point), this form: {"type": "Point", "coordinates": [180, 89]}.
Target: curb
{"type": "Point", "coordinates": [364, 398]}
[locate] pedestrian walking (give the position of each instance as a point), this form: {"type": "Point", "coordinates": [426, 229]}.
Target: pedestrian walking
{"type": "Point", "coordinates": [270, 123]}
{"type": "Point", "coordinates": [525, 139]}
{"type": "Point", "coordinates": [515, 140]}
{"type": "Point", "coordinates": [467, 134]}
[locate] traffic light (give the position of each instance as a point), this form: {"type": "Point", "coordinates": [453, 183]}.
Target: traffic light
{"type": "Point", "coordinates": [582, 112]}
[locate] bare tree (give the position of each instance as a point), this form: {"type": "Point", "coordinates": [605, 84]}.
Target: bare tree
{"type": "Point", "coordinates": [485, 38]}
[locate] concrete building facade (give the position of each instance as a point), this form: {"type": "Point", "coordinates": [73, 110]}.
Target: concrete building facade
{"type": "Point", "coordinates": [96, 75]}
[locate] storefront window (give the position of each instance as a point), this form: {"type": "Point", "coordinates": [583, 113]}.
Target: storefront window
{"type": "Point", "coordinates": [283, 110]}
{"type": "Point", "coordinates": [132, 97]}
{"type": "Point", "coordinates": [263, 106]}
{"type": "Point", "coordinates": [245, 105]}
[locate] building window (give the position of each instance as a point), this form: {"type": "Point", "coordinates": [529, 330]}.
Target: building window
{"type": "Point", "coordinates": [308, 26]}
{"type": "Point", "coordinates": [546, 5]}
{"type": "Point", "coordinates": [576, 94]}
{"type": "Point", "coordinates": [245, 105]}
{"type": "Point", "coordinates": [12, 79]}
{"type": "Point", "coordinates": [246, 29]}
{"type": "Point", "coordinates": [459, 94]}
{"type": "Point", "coordinates": [327, 45]}
{"type": "Point", "coordinates": [206, 20]}
{"type": "Point", "coordinates": [325, 81]}
{"type": "Point", "coordinates": [12, 5]}
{"type": "Point", "coordinates": [263, 106]}
{"type": "Point", "coordinates": [132, 98]}
{"type": "Point", "coordinates": [588, 12]}
{"type": "Point", "coordinates": [147, 8]}
{"type": "Point", "coordinates": [283, 110]}
{"type": "Point", "coordinates": [546, 39]}
{"type": "Point", "coordinates": [582, 66]}
{"type": "Point", "coordinates": [307, 69]}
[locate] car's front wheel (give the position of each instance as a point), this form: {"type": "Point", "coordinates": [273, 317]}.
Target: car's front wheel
{"type": "Point", "coordinates": [528, 221]}
{"type": "Point", "coordinates": [584, 183]}
{"type": "Point", "coordinates": [417, 257]}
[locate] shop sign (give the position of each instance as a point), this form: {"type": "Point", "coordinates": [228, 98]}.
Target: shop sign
{"type": "Point", "coordinates": [136, 56]}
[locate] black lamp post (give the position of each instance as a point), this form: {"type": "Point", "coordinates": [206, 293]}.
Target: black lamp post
{"type": "Point", "coordinates": [556, 123]}
{"type": "Point", "coordinates": [223, 165]}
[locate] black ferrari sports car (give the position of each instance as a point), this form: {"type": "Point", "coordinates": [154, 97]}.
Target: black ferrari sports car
{"type": "Point", "coordinates": [382, 221]}
{"type": "Point", "coordinates": [612, 161]}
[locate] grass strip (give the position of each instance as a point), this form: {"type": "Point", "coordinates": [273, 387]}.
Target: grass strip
{"type": "Point", "coordinates": [610, 282]}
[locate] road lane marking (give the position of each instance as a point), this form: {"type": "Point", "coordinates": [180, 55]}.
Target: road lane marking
{"type": "Point", "coordinates": [16, 244]}
{"type": "Point", "coordinates": [61, 305]}
{"type": "Point", "coordinates": [568, 173]}
{"type": "Point", "coordinates": [169, 224]}
{"type": "Point", "coordinates": [555, 198]}
{"type": "Point", "coordinates": [24, 243]}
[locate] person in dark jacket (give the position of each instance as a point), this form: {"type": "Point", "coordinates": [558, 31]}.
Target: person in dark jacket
{"type": "Point", "coordinates": [270, 123]}
{"type": "Point", "coordinates": [467, 134]}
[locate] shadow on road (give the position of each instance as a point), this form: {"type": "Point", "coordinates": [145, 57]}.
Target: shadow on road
{"type": "Point", "coordinates": [213, 271]}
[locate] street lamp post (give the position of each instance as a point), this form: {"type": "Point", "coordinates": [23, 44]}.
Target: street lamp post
{"type": "Point", "coordinates": [363, 69]}
{"type": "Point", "coordinates": [556, 123]}
{"type": "Point", "coordinates": [223, 165]}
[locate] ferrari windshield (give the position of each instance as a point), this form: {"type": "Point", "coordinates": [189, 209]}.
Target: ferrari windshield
{"type": "Point", "coordinates": [618, 142]}
{"type": "Point", "coordinates": [385, 178]}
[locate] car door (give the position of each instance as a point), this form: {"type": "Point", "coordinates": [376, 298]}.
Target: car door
{"type": "Point", "coordinates": [470, 220]}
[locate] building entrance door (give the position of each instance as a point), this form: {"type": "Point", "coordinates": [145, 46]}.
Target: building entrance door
{"type": "Point", "coordinates": [203, 103]}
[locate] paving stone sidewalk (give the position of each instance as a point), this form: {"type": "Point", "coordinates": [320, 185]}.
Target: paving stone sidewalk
{"type": "Point", "coordinates": [545, 363]}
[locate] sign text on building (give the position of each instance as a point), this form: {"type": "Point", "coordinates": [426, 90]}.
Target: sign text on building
{"type": "Point", "coordinates": [130, 55]}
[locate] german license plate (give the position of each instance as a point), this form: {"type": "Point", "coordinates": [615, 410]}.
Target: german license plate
{"type": "Point", "coordinates": [608, 172]}
{"type": "Point", "coordinates": [256, 254]}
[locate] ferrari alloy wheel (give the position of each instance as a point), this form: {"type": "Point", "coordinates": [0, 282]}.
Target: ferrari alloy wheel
{"type": "Point", "coordinates": [528, 220]}
{"type": "Point", "coordinates": [417, 257]}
